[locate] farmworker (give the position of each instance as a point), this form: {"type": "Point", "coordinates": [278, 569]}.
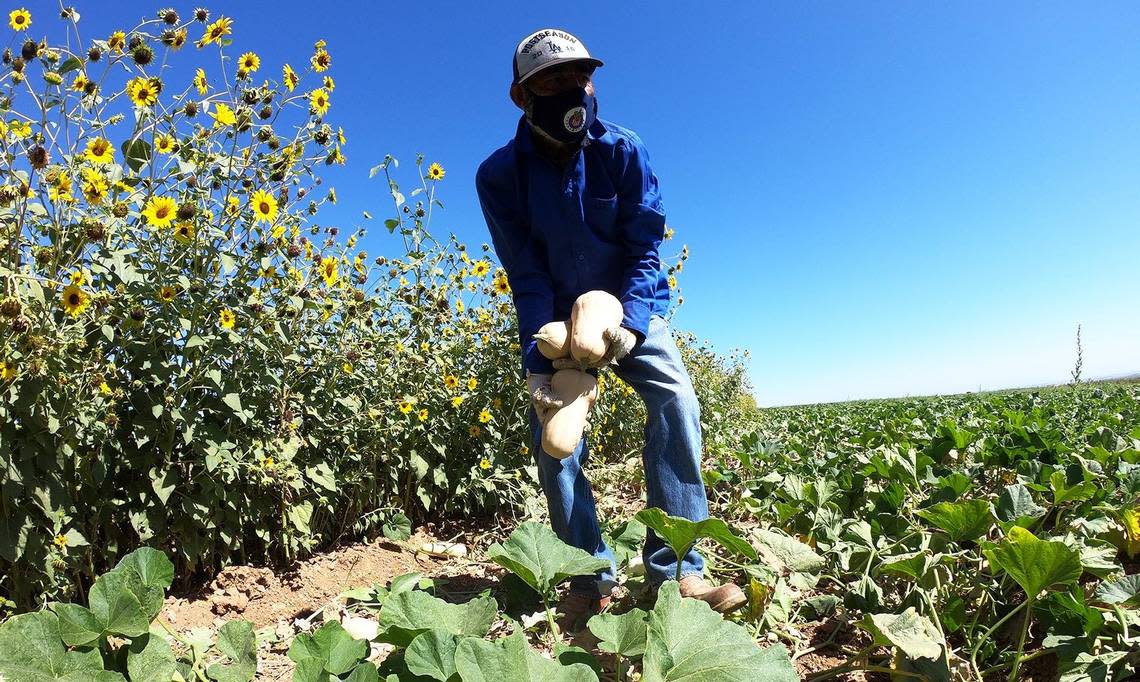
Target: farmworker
{"type": "Point", "coordinates": [572, 206]}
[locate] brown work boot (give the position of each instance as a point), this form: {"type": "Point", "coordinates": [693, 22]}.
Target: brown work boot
{"type": "Point", "coordinates": [724, 599]}
{"type": "Point", "coordinates": [576, 608]}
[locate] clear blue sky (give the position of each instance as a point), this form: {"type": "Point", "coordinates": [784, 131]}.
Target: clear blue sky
{"type": "Point", "coordinates": [880, 199]}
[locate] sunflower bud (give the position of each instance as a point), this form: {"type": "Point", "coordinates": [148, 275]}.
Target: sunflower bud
{"type": "Point", "coordinates": [95, 231]}
{"type": "Point", "coordinates": [120, 210]}
{"type": "Point", "coordinates": [18, 65]}
{"type": "Point", "coordinates": [94, 54]}
{"type": "Point", "coordinates": [186, 211]}
{"type": "Point", "coordinates": [293, 250]}
{"type": "Point", "coordinates": [191, 109]}
{"type": "Point", "coordinates": [7, 57]}
{"type": "Point", "coordinates": [265, 113]}
{"type": "Point", "coordinates": [10, 307]}
{"type": "Point", "coordinates": [138, 314]}
{"type": "Point", "coordinates": [29, 50]}
{"type": "Point", "coordinates": [53, 78]}
{"type": "Point", "coordinates": [20, 325]}
{"type": "Point", "coordinates": [201, 14]}
{"type": "Point", "coordinates": [169, 16]}
{"type": "Point", "coordinates": [134, 42]}
{"type": "Point", "coordinates": [142, 54]}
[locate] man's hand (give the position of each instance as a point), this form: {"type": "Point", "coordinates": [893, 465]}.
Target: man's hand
{"type": "Point", "coordinates": [619, 342]}
{"type": "Point", "coordinates": [541, 395]}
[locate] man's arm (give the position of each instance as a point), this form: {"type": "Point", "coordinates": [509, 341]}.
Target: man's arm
{"type": "Point", "coordinates": [527, 273]}
{"type": "Point", "coordinates": [641, 220]}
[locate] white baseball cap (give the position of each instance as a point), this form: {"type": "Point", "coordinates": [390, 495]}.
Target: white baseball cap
{"type": "Point", "coordinates": [545, 48]}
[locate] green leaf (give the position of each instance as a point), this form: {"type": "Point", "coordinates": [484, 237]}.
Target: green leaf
{"type": "Point", "coordinates": [300, 514]}
{"type": "Point", "coordinates": [432, 654]}
{"type": "Point", "coordinates": [964, 521]}
{"type": "Point", "coordinates": [511, 660]}
{"type": "Point", "coordinates": [77, 625]}
{"type": "Point", "coordinates": [330, 649]}
{"type": "Point", "coordinates": [1016, 506]}
{"type": "Point", "coordinates": [534, 553]}
{"type": "Point", "coordinates": [153, 566]}
{"type": "Point", "coordinates": [1033, 563]}
{"type": "Point", "coordinates": [623, 634]}
{"type": "Point", "coordinates": [398, 527]}
{"type": "Point", "coordinates": [136, 153]}
{"type": "Point", "coordinates": [688, 640]}
{"type": "Point", "coordinates": [627, 540]}
{"type": "Point", "coordinates": [150, 659]}
{"type": "Point", "coordinates": [365, 672]}
{"type": "Point", "coordinates": [781, 551]}
{"type": "Point", "coordinates": [238, 642]}
{"type": "Point", "coordinates": [408, 614]}
{"type": "Point", "coordinates": [117, 601]}
{"type": "Point", "coordinates": [1125, 591]}
{"type": "Point", "coordinates": [681, 534]}
{"type": "Point", "coordinates": [1063, 493]}
{"type": "Point", "coordinates": [69, 64]}
{"type": "Point", "coordinates": [31, 651]}
{"type": "Point", "coordinates": [914, 635]}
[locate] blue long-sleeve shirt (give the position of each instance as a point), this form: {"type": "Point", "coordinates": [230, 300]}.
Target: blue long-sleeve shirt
{"type": "Point", "coordinates": [597, 224]}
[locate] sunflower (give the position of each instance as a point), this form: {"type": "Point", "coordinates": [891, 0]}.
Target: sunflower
{"type": "Point", "coordinates": [144, 91]}
{"type": "Point", "coordinates": [405, 406]}
{"type": "Point", "coordinates": [328, 270]}
{"type": "Point", "coordinates": [166, 294]}
{"type": "Point", "coordinates": [94, 187]}
{"type": "Point", "coordinates": [484, 464]}
{"type": "Point", "coordinates": [484, 416]}
{"type": "Point", "coordinates": [264, 206]}
{"type": "Point", "coordinates": [226, 318]}
{"type": "Point", "coordinates": [215, 31]}
{"type": "Point", "coordinates": [672, 282]}
{"type": "Point", "coordinates": [436, 172]}
{"type": "Point", "coordinates": [472, 384]}
{"type": "Point", "coordinates": [223, 115]}
{"type": "Point", "coordinates": [60, 540]}
{"type": "Point", "coordinates": [502, 286]}
{"type": "Point", "coordinates": [329, 85]}
{"type": "Point", "coordinates": [290, 77]}
{"type": "Point", "coordinates": [21, 129]}
{"type": "Point", "coordinates": [80, 83]}
{"type": "Point", "coordinates": [176, 39]}
{"type": "Point", "coordinates": [160, 211]}
{"type": "Point", "coordinates": [117, 41]}
{"type": "Point", "coordinates": [233, 205]}
{"type": "Point", "coordinates": [164, 144]}
{"type": "Point", "coordinates": [481, 268]}
{"type": "Point", "coordinates": [346, 368]}
{"type": "Point", "coordinates": [19, 19]}
{"type": "Point", "coordinates": [423, 414]}
{"type": "Point", "coordinates": [8, 372]}
{"type": "Point", "coordinates": [60, 189]}
{"type": "Point", "coordinates": [100, 150]}
{"type": "Point", "coordinates": [451, 382]}
{"type": "Point", "coordinates": [200, 81]}
{"type": "Point", "coordinates": [319, 101]}
{"type": "Point", "coordinates": [75, 300]}
{"type": "Point", "coordinates": [184, 232]}
{"type": "Point", "coordinates": [249, 62]}
{"type": "Point", "coordinates": [321, 61]}
{"type": "Point", "coordinates": [474, 431]}
{"type": "Point", "coordinates": [457, 401]}
{"type": "Point", "coordinates": [104, 388]}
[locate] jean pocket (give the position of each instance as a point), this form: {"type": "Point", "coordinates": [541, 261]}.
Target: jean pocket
{"type": "Point", "coordinates": [601, 216]}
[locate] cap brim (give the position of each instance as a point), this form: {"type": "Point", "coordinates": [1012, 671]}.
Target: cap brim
{"type": "Point", "coordinates": [590, 60]}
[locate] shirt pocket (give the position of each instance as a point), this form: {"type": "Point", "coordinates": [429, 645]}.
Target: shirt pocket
{"type": "Point", "coordinates": [601, 217]}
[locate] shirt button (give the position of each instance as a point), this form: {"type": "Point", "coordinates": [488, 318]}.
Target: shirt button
{"type": "Point", "coordinates": [581, 257]}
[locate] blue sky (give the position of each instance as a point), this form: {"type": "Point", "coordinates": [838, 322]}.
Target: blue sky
{"type": "Point", "coordinates": [880, 199]}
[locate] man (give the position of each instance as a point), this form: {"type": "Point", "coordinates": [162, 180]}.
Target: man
{"type": "Point", "coordinates": [573, 206]}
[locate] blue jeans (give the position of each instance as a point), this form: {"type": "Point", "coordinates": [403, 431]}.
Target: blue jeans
{"type": "Point", "coordinates": [672, 461]}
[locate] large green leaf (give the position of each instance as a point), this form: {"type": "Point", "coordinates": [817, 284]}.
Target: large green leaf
{"type": "Point", "coordinates": [153, 566]}
{"type": "Point", "coordinates": [408, 614]}
{"type": "Point", "coordinates": [511, 660]}
{"type": "Point", "coordinates": [783, 552]}
{"type": "Point", "coordinates": [238, 642]}
{"type": "Point", "coordinates": [432, 654]}
{"type": "Point", "coordinates": [688, 640]}
{"type": "Point", "coordinates": [681, 533]}
{"type": "Point", "coordinates": [1033, 563]}
{"type": "Point", "coordinates": [121, 604]}
{"type": "Point", "coordinates": [150, 659]}
{"type": "Point", "coordinates": [1125, 591]}
{"type": "Point", "coordinates": [330, 650]}
{"type": "Point", "coordinates": [31, 650]}
{"type": "Point", "coordinates": [1016, 506]}
{"type": "Point", "coordinates": [1063, 492]}
{"type": "Point", "coordinates": [534, 553]}
{"type": "Point", "coordinates": [964, 521]}
{"type": "Point", "coordinates": [622, 634]}
{"type": "Point", "coordinates": [914, 635]}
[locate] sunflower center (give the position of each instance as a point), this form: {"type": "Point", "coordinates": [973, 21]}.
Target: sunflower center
{"type": "Point", "coordinates": [161, 212]}
{"type": "Point", "coordinates": [73, 299]}
{"type": "Point", "coordinates": [263, 207]}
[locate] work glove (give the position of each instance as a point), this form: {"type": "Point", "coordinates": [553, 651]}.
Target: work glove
{"type": "Point", "coordinates": [541, 395]}
{"type": "Point", "coordinates": [619, 342]}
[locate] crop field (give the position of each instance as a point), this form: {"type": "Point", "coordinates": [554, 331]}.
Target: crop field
{"type": "Point", "coordinates": [236, 446]}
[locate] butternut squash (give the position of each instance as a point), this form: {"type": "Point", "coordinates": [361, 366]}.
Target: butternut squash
{"type": "Point", "coordinates": [554, 340]}
{"type": "Point", "coordinates": [593, 313]}
{"type": "Point", "coordinates": [564, 427]}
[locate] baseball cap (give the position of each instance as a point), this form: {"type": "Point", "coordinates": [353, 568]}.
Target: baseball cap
{"type": "Point", "coordinates": [545, 48]}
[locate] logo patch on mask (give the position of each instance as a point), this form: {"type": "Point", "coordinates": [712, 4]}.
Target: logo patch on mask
{"type": "Point", "coordinates": [575, 119]}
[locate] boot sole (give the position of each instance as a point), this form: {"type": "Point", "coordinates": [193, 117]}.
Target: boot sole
{"type": "Point", "coordinates": [730, 604]}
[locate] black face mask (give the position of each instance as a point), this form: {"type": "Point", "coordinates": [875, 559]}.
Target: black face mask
{"type": "Point", "coordinates": [564, 116]}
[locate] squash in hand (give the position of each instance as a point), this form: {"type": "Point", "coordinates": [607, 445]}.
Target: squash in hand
{"type": "Point", "coordinates": [593, 313]}
{"type": "Point", "coordinates": [564, 427]}
{"type": "Point", "coordinates": [554, 340]}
